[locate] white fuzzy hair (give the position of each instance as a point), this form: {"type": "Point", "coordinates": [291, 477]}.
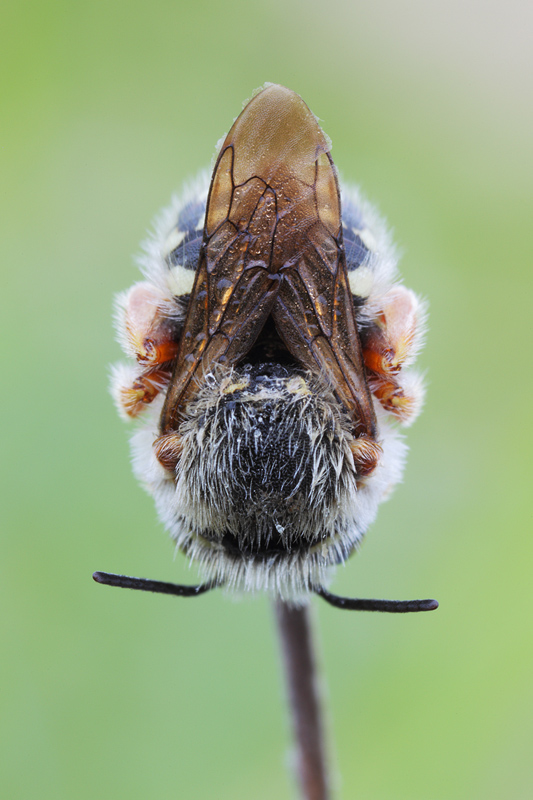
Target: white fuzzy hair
{"type": "Point", "coordinates": [152, 261]}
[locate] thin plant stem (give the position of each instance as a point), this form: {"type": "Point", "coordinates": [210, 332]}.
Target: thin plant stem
{"type": "Point", "coordinates": [294, 627]}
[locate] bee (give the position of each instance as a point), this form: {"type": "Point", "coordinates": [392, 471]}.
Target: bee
{"type": "Point", "coordinates": [272, 353]}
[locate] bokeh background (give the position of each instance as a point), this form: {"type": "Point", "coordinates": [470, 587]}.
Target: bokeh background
{"type": "Point", "coordinates": [107, 108]}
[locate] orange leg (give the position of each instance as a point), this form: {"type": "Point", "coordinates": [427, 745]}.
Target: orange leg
{"type": "Point", "coordinates": [145, 327]}
{"type": "Point", "coordinates": [390, 344]}
{"type": "Point", "coordinates": [133, 390]}
{"type": "Point", "coordinates": [167, 449]}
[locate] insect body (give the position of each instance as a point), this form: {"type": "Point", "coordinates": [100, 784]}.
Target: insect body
{"type": "Point", "coordinates": [272, 352]}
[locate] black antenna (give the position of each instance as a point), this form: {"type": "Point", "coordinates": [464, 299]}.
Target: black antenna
{"type": "Point", "coordinates": [390, 606]}
{"type": "Point", "coordinates": [160, 587]}
{"type": "Point", "coordinates": [348, 603]}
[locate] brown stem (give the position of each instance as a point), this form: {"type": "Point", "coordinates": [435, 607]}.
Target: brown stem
{"type": "Point", "coordinates": [304, 700]}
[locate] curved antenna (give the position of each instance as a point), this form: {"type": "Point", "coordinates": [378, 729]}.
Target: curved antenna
{"type": "Point", "coordinates": [390, 606]}
{"type": "Point", "coordinates": [146, 585]}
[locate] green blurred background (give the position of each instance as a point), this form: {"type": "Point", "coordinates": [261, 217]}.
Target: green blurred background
{"type": "Point", "coordinates": [106, 109]}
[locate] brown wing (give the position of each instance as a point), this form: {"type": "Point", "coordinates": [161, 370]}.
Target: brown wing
{"type": "Point", "coordinates": [314, 312]}
{"type": "Point", "coordinates": [234, 289]}
{"type": "Point", "coordinates": [271, 246]}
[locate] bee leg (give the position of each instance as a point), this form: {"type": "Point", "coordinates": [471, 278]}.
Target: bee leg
{"type": "Point", "coordinates": [390, 344]}
{"type": "Point", "coordinates": [167, 448]}
{"type": "Point", "coordinates": [366, 453]}
{"type": "Point", "coordinates": [160, 587]}
{"type": "Point", "coordinates": [390, 606]}
{"type": "Point", "coordinates": [148, 323]}
{"type": "Point", "coordinates": [402, 395]}
{"type": "Point", "coordinates": [133, 389]}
